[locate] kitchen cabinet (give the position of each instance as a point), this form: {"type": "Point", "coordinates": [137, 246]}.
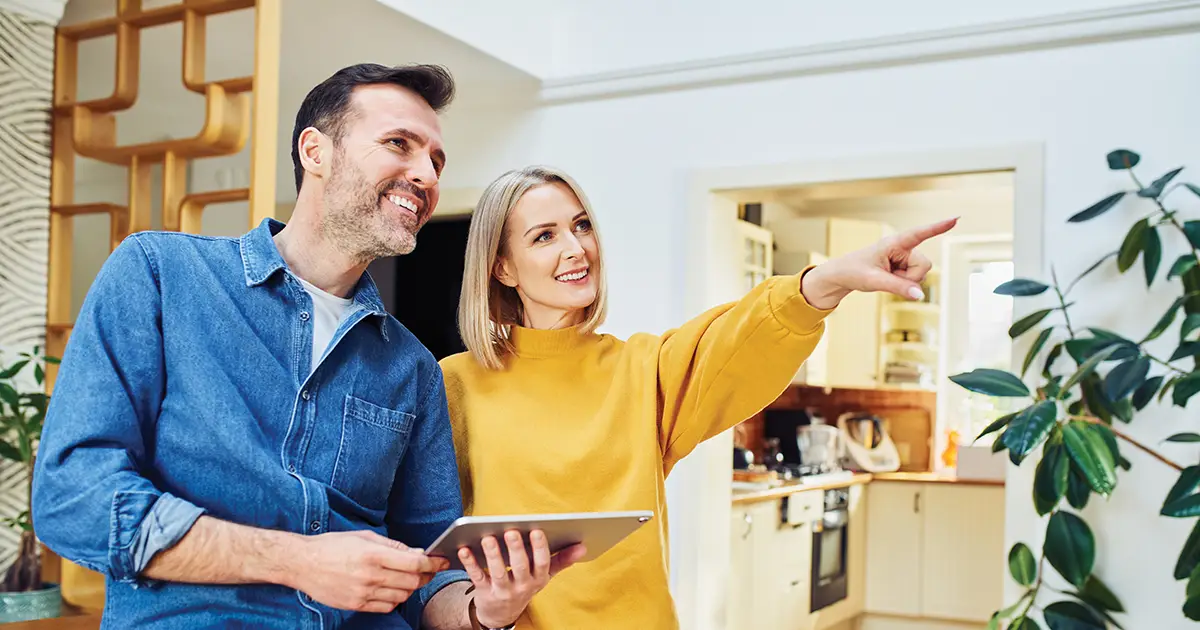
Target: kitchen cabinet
{"type": "Point", "coordinates": [852, 332]}
{"type": "Point", "coordinates": [936, 550]}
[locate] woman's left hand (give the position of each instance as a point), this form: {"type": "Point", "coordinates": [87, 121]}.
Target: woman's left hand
{"type": "Point", "coordinates": [890, 265]}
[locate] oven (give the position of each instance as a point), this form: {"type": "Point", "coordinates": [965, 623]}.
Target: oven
{"type": "Point", "coordinates": [830, 541]}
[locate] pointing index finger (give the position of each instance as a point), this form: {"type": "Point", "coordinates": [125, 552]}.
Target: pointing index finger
{"type": "Point", "coordinates": [914, 237]}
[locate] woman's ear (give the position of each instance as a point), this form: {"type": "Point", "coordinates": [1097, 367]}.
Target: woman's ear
{"type": "Point", "coordinates": [504, 273]}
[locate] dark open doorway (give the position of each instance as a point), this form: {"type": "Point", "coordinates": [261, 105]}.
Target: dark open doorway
{"type": "Point", "coordinates": [422, 289]}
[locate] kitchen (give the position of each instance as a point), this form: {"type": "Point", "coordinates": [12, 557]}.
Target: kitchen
{"type": "Point", "coordinates": [858, 499]}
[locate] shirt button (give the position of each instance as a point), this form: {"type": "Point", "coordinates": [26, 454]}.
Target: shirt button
{"type": "Point", "coordinates": [315, 526]}
{"type": "Point", "coordinates": [304, 394]}
{"type": "Point", "coordinates": [291, 468]}
{"type": "Point", "coordinates": [304, 316]}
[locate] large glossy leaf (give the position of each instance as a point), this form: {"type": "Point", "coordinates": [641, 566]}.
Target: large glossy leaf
{"type": "Point", "coordinates": [1191, 608]}
{"type": "Point", "coordinates": [1035, 349]}
{"type": "Point", "coordinates": [1097, 594]}
{"type": "Point", "coordinates": [996, 425]}
{"type": "Point", "coordinates": [1089, 366]}
{"type": "Point", "coordinates": [1126, 377]}
{"type": "Point", "coordinates": [1029, 321]}
{"type": "Point", "coordinates": [1185, 388]}
{"type": "Point", "coordinates": [1097, 209]}
{"type": "Point", "coordinates": [1031, 427]}
{"type": "Point", "coordinates": [1145, 392]}
{"type": "Point", "coordinates": [1051, 357]}
{"type": "Point", "coordinates": [1152, 255]}
{"type": "Point", "coordinates": [1132, 246]}
{"type": "Point", "coordinates": [1078, 490]}
{"type": "Point", "coordinates": [1155, 189]}
{"type": "Point", "coordinates": [8, 451]}
{"type": "Point", "coordinates": [1091, 455]}
{"type": "Point", "coordinates": [1122, 159]}
{"type": "Point", "coordinates": [1181, 265]}
{"type": "Point", "coordinates": [1192, 230]}
{"type": "Point", "coordinates": [1050, 479]}
{"type": "Point", "coordinates": [1025, 623]}
{"type": "Point", "coordinates": [13, 369]}
{"type": "Point", "coordinates": [1181, 502]}
{"type": "Point", "coordinates": [1184, 437]}
{"type": "Point", "coordinates": [1020, 287]}
{"type": "Point", "coordinates": [1185, 349]}
{"type": "Point", "coordinates": [1189, 326]}
{"type": "Point", "coordinates": [991, 382]}
{"type": "Point", "coordinates": [1108, 438]}
{"type": "Point", "coordinates": [1070, 547]}
{"type": "Point", "coordinates": [1165, 321]}
{"type": "Point", "coordinates": [1022, 565]}
{"type": "Point", "coordinates": [1189, 554]}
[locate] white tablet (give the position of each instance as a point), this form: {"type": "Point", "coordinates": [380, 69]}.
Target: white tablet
{"type": "Point", "coordinates": [599, 531]}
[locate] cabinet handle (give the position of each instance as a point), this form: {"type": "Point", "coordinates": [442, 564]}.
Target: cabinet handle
{"type": "Point", "coordinates": [749, 526]}
{"type": "Point", "coordinates": [916, 502]}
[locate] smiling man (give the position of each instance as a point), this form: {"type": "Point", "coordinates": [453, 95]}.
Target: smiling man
{"type": "Point", "coordinates": [241, 436]}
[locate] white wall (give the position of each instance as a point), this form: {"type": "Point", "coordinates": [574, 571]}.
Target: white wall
{"type": "Point", "coordinates": [634, 156]}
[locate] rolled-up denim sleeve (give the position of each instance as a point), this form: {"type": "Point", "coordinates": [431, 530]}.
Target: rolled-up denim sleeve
{"type": "Point", "coordinates": [92, 502]}
{"type": "Point", "coordinates": [427, 497]}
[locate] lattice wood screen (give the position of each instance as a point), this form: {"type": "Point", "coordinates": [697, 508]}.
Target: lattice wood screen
{"type": "Point", "coordinates": [233, 107]}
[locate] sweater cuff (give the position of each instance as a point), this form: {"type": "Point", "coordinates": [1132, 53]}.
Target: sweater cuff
{"type": "Point", "coordinates": [790, 307]}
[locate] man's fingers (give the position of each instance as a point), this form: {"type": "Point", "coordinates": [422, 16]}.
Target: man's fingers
{"type": "Point", "coordinates": [478, 577]}
{"type": "Point", "coordinates": [497, 571]}
{"type": "Point", "coordinates": [914, 237]}
{"type": "Point", "coordinates": [379, 608]}
{"type": "Point", "coordinates": [393, 595]}
{"type": "Point", "coordinates": [517, 558]}
{"type": "Point", "coordinates": [541, 555]}
{"type": "Point", "coordinates": [566, 558]}
{"type": "Point", "coordinates": [408, 561]}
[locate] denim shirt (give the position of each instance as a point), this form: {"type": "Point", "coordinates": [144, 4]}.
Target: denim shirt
{"type": "Point", "coordinates": [185, 389]}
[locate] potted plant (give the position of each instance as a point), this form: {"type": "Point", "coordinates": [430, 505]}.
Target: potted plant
{"type": "Point", "coordinates": [1092, 381]}
{"type": "Point", "coordinates": [23, 595]}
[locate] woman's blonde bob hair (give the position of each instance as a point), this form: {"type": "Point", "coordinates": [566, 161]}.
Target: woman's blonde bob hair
{"type": "Point", "coordinates": [488, 309]}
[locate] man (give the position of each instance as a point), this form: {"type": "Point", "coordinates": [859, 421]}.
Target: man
{"type": "Point", "coordinates": [241, 436]}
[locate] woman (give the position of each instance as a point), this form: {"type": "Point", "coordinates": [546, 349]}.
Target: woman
{"type": "Point", "coordinates": [550, 416]}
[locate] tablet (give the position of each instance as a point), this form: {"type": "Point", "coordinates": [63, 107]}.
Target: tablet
{"type": "Point", "coordinates": [599, 531]}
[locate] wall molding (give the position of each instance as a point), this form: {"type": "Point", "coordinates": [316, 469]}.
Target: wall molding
{"type": "Point", "coordinates": [1067, 29]}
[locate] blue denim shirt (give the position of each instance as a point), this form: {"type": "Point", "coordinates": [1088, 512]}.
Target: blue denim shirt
{"type": "Point", "coordinates": [185, 389]}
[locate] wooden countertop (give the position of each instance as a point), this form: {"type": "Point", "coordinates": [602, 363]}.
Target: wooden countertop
{"type": "Point", "coordinates": [787, 489]}
{"type": "Point", "coordinates": [80, 622]}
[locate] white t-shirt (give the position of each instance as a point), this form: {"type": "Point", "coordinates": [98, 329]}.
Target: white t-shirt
{"type": "Point", "coordinates": [328, 312]}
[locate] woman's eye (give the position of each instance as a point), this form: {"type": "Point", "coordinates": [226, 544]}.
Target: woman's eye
{"type": "Point", "coordinates": [543, 237]}
{"type": "Point", "coordinates": [584, 226]}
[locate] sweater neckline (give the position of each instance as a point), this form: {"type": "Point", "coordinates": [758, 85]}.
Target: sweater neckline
{"type": "Point", "coordinates": [533, 342]}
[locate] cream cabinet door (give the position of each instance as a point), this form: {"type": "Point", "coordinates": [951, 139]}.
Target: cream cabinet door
{"type": "Point", "coordinates": [854, 328]}
{"type": "Point", "coordinates": [740, 611]}
{"type": "Point", "coordinates": [963, 561]}
{"type": "Point", "coordinates": [894, 541]}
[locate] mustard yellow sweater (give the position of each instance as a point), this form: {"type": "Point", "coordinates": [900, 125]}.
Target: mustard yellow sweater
{"type": "Point", "coordinates": [586, 422]}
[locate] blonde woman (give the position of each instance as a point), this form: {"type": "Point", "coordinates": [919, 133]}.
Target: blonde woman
{"type": "Point", "coordinates": [551, 416]}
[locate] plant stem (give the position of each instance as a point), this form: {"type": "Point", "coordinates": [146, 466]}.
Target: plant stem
{"type": "Point", "coordinates": [1142, 447]}
{"type": "Point", "coordinates": [1162, 363]}
{"type": "Point", "coordinates": [1062, 303]}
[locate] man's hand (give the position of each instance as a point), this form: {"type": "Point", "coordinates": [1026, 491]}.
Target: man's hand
{"type": "Point", "coordinates": [361, 571]}
{"type": "Point", "coordinates": [890, 265]}
{"type": "Point", "coordinates": [500, 595]}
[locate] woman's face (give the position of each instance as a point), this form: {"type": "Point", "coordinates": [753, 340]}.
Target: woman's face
{"type": "Point", "coordinates": [550, 256]}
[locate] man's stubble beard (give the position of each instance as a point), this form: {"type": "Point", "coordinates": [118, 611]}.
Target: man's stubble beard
{"type": "Point", "coordinates": [355, 220]}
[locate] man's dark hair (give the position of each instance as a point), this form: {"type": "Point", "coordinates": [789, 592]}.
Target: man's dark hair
{"type": "Point", "coordinates": [327, 106]}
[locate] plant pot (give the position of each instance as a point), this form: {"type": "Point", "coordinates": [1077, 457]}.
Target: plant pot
{"type": "Point", "coordinates": [28, 605]}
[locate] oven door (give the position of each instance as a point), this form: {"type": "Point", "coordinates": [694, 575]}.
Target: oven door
{"type": "Point", "coordinates": [830, 540]}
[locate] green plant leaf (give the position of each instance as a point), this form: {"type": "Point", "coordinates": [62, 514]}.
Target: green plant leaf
{"type": "Point", "coordinates": [1194, 188]}
{"type": "Point", "coordinates": [1051, 356]}
{"type": "Point", "coordinates": [1052, 388]}
{"type": "Point", "coordinates": [1050, 479]}
{"type": "Point", "coordinates": [1162, 393]}
{"type": "Point", "coordinates": [1095, 266]}
{"type": "Point", "coordinates": [1030, 428]}
{"type": "Point", "coordinates": [13, 369]}
{"type": "Point", "coordinates": [991, 382]}
{"type": "Point", "coordinates": [1029, 321]}
{"type": "Point", "coordinates": [1078, 490]}
{"type": "Point", "coordinates": [1108, 438]}
{"type": "Point", "coordinates": [998, 444]}
{"type": "Point", "coordinates": [1122, 159]}
{"type": "Point", "coordinates": [1020, 287]}
{"type": "Point", "coordinates": [1181, 265]}
{"type": "Point", "coordinates": [1126, 377]}
{"type": "Point", "coordinates": [8, 451]}
{"type": "Point", "coordinates": [1180, 498]}
{"type": "Point", "coordinates": [1184, 437]}
{"type": "Point", "coordinates": [1022, 565]}
{"type": "Point", "coordinates": [1189, 554]}
{"type": "Point", "coordinates": [1165, 321]}
{"type": "Point", "coordinates": [1132, 246]}
{"type": "Point", "coordinates": [996, 425]}
{"type": "Point", "coordinates": [1070, 547]}
{"type": "Point", "coordinates": [1035, 349]}
{"type": "Point", "coordinates": [1155, 189]}
{"type": "Point", "coordinates": [1097, 594]}
{"type": "Point", "coordinates": [1191, 229]}
{"type": "Point", "coordinates": [1191, 608]}
{"type": "Point", "coordinates": [1145, 392]}
{"type": "Point", "coordinates": [1091, 455]}
{"type": "Point", "coordinates": [9, 395]}
{"type": "Point", "coordinates": [1082, 348]}
{"type": "Point", "coordinates": [1185, 349]}
{"type": "Point", "coordinates": [1097, 209]}
{"type": "Point", "coordinates": [1025, 623]}
{"type": "Point", "coordinates": [1089, 366]}
{"type": "Point", "coordinates": [1152, 257]}
{"type": "Point", "coordinates": [1189, 326]}
{"type": "Point", "coordinates": [1185, 388]}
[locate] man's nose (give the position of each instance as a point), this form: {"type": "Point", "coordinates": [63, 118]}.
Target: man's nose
{"type": "Point", "coordinates": [423, 173]}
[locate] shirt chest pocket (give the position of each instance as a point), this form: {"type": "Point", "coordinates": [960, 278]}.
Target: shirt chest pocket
{"type": "Point", "coordinates": [374, 439]}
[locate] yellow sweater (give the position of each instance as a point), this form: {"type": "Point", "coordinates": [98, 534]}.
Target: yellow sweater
{"type": "Point", "coordinates": [590, 423]}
